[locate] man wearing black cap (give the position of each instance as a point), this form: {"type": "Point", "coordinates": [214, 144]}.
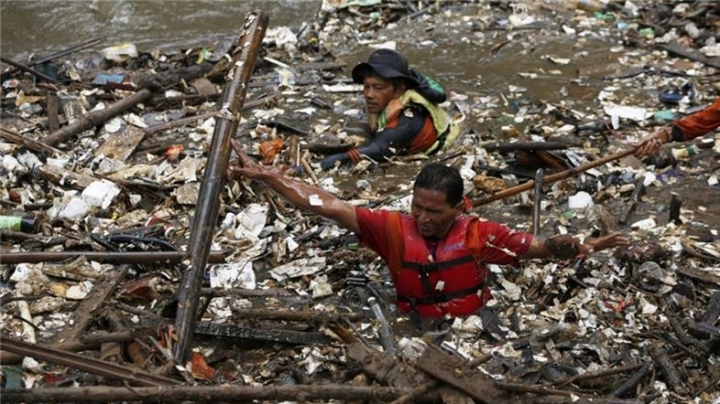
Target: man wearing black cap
{"type": "Point", "coordinates": [402, 110]}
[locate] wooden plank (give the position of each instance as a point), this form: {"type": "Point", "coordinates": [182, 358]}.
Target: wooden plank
{"type": "Point", "coordinates": [89, 308]}
{"type": "Point", "coordinates": [456, 372]}
{"type": "Point", "coordinates": [119, 146]}
{"type": "Point", "coordinates": [693, 54]}
{"type": "Point", "coordinates": [385, 368]}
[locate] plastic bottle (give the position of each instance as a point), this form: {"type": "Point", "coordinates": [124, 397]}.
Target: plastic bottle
{"type": "Point", "coordinates": [17, 223]}
{"type": "Point", "coordinates": [685, 152]}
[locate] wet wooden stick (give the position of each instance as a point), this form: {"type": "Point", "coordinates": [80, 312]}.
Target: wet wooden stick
{"type": "Point", "coordinates": [96, 118]}
{"type": "Point", "coordinates": [551, 178]}
{"type": "Point", "coordinates": [538, 200]}
{"type": "Point", "coordinates": [28, 69]}
{"type": "Point", "coordinates": [608, 372]}
{"type": "Point", "coordinates": [661, 357]}
{"type": "Point", "coordinates": [309, 170]}
{"type": "Point", "coordinates": [634, 199]}
{"type": "Point", "coordinates": [204, 394]}
{"type": "Point", "coordinates": [190, 119]}
{"type": "Point", "coordinates": [633, 381]}
{"type": "Point", "coordinates": [31, 144]}
{"type": "Point", "coordinates": [72, 49]}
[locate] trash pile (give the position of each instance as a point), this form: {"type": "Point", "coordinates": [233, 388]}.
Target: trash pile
{"type": "Point", "coordinates": [105, 153]}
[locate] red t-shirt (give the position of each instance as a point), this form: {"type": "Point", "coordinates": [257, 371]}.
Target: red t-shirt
{"type": "Point", "coordinates": [490, 242]}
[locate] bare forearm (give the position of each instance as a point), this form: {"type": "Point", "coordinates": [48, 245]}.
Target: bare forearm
{"type": "Point", "coordinates": [566, 246]}
{"type": "Point", "coordinates": [313, 199]}
{"type": "Point", "coordinates": [553, 247]}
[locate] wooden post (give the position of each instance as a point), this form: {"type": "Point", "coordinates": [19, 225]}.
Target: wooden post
{"type": "Point", "coordinates": [208, 205]}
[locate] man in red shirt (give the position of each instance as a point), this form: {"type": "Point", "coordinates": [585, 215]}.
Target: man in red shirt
{"type": "Point", "coordinates": [688, 128]}
{"type": "Point", "coordinates": [436, 255]}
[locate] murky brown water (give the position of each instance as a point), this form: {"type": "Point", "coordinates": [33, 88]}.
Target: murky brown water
{"type": "Point", "coordinates": [451, 52]}
{"type": "Point", "coordinates": [46, 26]}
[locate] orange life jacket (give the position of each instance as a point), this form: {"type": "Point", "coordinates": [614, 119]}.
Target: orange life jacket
{"type": "Point", "coordinates": [453, 283]}
{"type": "Point", "coordinates": [424, 139]}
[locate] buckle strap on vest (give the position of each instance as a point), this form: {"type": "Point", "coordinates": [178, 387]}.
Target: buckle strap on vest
{"type": "Point", "coordinates": [440, 298]}
{"type": "Point", "coordinates": [439, 142]}
{"type": "Point", "coordinates": [437, 266]}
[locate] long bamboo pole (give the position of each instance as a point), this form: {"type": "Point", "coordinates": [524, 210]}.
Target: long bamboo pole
{"type": "Point", "coordinates": [208, 205]}
{"type": "Point", "coordinates": [549, 179]}
{"type": "Point", "coordinates": [206, 394]}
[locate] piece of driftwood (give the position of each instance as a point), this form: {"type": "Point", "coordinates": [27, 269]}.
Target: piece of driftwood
{"type": "Point", "coordinates": [158, 81]}
{"type": "Point", "coordinates": [667, 368]}
{"type": "Point", "coordinates": [12, 136]}
{"type": "Point", "coordinates": [703, 276]}
{"type": "Point", "coordinates": [72, 49]}
{"type": "Point", "coordinates": [287, 315]}
{"type": "Point", "coordinates": [120, 145]}
{"type": "Point", "coordinates": [191, 119]}
{"type": "Point", "coordinates": [634, 199]}
{"type": "Point", "coordinates": [213, 183]}
{"type": "Point", "coordinates": [96, 118]}
{"type": "Point", "coordinates": [514, 146]}
{"type": "Point", "coordinates": [674, 209]}
{"type": "Point", "coordinates": [551, 178]}
{"type": "Point", "coordinates": [62, 176]}
{"type": "Point", "coordinates": [202, 394]}
{"type": "Point", "coordinates": [263, 334]}
{"type": "Point", "coordinates": [456, 372]}
{"type": "Point", "coordinates": [28, 69]}
{"type": "Point", "coordinates": [632, 381]}
{"type": "Point", "coordinates": [53, 119]}
{"type": "Point", "coordinates": [712, 312]}
{"type": "Point", "coordinates": [386, 368]}
{"type": "Point", "coordinates": [94, 366]}
{"type": "Point", "coordinates": [537, 201]}
{"type": "Point", "coordinates": [692, 54]}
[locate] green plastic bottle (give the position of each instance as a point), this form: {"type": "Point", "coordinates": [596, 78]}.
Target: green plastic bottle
{"type": "Point", "coordinates": [17, 223]}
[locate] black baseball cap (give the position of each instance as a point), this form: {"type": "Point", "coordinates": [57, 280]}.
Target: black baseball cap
{"type": "Point", "coordinates": [387, 63]}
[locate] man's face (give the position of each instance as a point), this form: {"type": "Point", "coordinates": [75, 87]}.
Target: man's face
{"type": "Point", "coordinates": [433, 214]}
{"type": "Point", "coordinates": [378, 93]}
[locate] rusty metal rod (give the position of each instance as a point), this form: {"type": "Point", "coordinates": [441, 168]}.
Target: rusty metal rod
{"type": "Point", "coordinates": [114, 257]}
{"type": "Point", "coordinates": [552, 178]}
{"type": "Point", "coordinates": [208, 205]}
{"type": "Point", "coordinates": [86, 364]}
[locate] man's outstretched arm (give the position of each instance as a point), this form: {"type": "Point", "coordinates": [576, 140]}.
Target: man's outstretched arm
{"type": "Point", "coordinates": [564, 247]}
{"type": "Point", "coordinates": [300, 194]}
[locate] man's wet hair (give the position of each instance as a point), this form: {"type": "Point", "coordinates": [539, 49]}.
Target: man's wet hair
{"type": "Point", "coordinates": [441, 178]}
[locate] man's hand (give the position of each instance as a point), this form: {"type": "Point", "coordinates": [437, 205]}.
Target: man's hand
{"type": "Point", "coordinates": [246, 167]}
{"type": "Point", "coordinates": [591, 245]}
{"type": "Point", "coordinates": [650, 144]}
{"type": "Point", "coordinates": [329, 161]}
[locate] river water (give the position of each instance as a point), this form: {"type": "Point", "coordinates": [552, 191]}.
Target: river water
{"type": "Point", "coordinates": [46, 26]}
{"type": "Point", "coordinates": [452, 53]}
